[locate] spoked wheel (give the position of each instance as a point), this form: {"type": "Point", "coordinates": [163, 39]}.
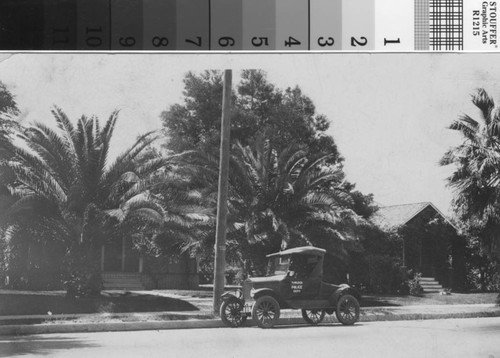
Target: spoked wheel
{"type": "Point", "coordinates": [231, 313]}
{"type": "Point", "coordinates": [347, 310]}
{"type": "Point", "coordinates": [314, 316]}
{"type": "Point", "coordinates": [266, 312]}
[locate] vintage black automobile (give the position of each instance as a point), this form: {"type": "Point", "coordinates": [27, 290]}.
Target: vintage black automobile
{"type": "Point", "coordinates": [294, 280]}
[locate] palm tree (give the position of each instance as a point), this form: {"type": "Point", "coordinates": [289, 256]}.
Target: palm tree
{"type": "Point", "coordinates": [64, 174]}
{"type": "Point", "coordinates": [280, 199]}
{"type": "Point", "coordinates": [290, 198]}
{"type": "Point", "coordinates": [476, 177]}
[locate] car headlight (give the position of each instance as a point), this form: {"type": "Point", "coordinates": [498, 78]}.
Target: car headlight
{"type": "Point", "coordinates": [252, 292]}
{"type": "Point", "coordinates": [238, 293]}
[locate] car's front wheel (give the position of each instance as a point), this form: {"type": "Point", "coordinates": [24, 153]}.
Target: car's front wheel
{"type": "Point", "coordinates": [347, 310]}
{"type": "Point", "coordinates": [266, 312]}
{"type": "Point", "coordinates": [314, 316]}
{"type": "Point", "coordinates": [231, 313]}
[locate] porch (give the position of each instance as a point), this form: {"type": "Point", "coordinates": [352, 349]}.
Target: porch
{"type": "Point", "coordinates": [124, 268]}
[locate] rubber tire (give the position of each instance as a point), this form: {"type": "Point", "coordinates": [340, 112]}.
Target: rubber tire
{"type": "Point", "coordinates": [309, 320]}
{"type": "Point", "coordinates": [351, 303]}
{"type": "Point", "coordinates": [261, 307]}
{"type": "Point", "coordinates": [227, 313]}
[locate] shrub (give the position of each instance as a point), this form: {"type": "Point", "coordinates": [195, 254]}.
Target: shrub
{"type": "Point", "coordinates": [233, 274]}
{"type": "Point", "coordinates": [31, 265]}
{"type": "Point", "coordinates": [415, 289]}
{"type": "Point", "coordinates": [82, 284]}
{"type": "Point", "coordinates": [377, 273]}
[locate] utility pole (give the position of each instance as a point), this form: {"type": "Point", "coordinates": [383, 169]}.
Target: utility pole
{"type": "Point", "coordinates": [220, 237]}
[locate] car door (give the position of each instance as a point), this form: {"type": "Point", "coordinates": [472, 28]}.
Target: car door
{"type": "Point", "coordinates": [301, 279]}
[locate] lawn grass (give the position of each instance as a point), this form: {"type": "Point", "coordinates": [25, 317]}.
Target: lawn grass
{"type": "Point", "coordinates": [14, 303]}
{"type": "Point", "coordinates": [429, 299]}
{"type": "Point", "coordinates": [41, 303]}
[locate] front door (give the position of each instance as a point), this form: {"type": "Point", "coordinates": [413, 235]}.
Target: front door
{"type": "Point", "coordinates": [120, 256]}
{"type": "Point", "coordinates": [427, 257]}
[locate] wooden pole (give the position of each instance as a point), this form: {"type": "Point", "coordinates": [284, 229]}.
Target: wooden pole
{"type": "Point", "coordinates": [220, 238]}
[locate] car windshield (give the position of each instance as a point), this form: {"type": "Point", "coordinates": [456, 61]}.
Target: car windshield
{"type": "Point", "coordinates": [278, 265]}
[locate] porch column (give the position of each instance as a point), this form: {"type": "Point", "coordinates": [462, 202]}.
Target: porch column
{"type": "Point", "coordinates": [404, 253]}
{"type": "Point", "coordinates": [123, 254]}
{"type": "Point", "coordinates": [102, 258]}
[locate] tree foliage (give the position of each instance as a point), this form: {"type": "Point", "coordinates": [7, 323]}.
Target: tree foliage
{"type": "Point", "coordinates": [285, 116]}
{"type": "Point", "coordinates": [280, 199]}
{"type": "Point", "coordinates": [8, 105]}
{"type": "Point", "coordinates": [287, 185]}
{"type": "Point", "coordinates": [476, 176]}
{"type": "Point", "coordinates": [65, 177]}
{"type": "Point", "coordinates": [8, 111]}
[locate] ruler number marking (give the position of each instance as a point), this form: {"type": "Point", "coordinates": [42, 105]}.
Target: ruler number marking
{"type": "Point", "coordinates": [158, 41]}
{"type": "Point", "coordinates": [60, 35]}
{"type": "Point", "coordinates": [196, 42]}
{"type": "Point", "coordinates": [329, 41]}
{"type": "Point", "coordinates": [292, 42]}
{"type": "Point", "coordinates": [260, 41]}
{"type": "Point", "coordinates": [94, 39]}
{"type": "Point", "coordinates": [226, 41]}
{"type": "Point", "coordinates": [127, 41]}
{"type": "Point", "coordinates": [398, 41]}
{"type": "Point", "coordinates": [361, 42]}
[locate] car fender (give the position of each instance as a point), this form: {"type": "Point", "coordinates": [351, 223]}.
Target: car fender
{"type": "Point", "coordinates": [233, 294]}
{"type": "Point", "coordinates": [344, 289]}
{"type": "Point", "coordinates": [263, 292]}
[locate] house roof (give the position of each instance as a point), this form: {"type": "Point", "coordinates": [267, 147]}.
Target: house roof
{"type": "Point", "coordinates": [304, 250]}
{"type": "Point", "coordinates": [389, 217]}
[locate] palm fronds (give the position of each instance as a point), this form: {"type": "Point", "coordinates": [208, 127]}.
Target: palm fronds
{"type": "Point", "coordinates": [476, 177]}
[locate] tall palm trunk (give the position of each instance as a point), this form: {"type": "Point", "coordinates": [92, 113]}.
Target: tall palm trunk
{"type": "Point", "coordinates": [84, 276]}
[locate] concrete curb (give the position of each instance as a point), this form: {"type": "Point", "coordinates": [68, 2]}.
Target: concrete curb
{"type": "Point", "coordinates": [216, 323]}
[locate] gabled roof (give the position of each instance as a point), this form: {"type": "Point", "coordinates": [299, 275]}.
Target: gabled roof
{"type": "Point", "coordinates": [304, 250]}
{"type": "Point", "coordinates": [394, 216]}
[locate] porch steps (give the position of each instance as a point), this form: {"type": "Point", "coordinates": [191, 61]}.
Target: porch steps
{"type": "Point", "coordinates": [429, 284]}
{"type": "Point", "coordinates": [129, 281]}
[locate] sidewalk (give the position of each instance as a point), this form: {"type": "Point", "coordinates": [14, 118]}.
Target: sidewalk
{"type": "Point", "coordinates": [39, 324]}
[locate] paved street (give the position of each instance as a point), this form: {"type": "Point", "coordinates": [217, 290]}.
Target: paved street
{"type": "Point", "coordinates": [438, 338]}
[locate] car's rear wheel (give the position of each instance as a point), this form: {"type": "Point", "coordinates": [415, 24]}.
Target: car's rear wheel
{"type": "Point", "coordinates": [231, 313]}
{"type": "Point", "coordinates": [347, 310]}
{"type": "Point", "coordinates": [266, 312]}
{"type": "Point", "coordinates": [314, 316]}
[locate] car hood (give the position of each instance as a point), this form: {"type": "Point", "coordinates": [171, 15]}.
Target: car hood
{"type": "Point", "coordinates": [269, 282]}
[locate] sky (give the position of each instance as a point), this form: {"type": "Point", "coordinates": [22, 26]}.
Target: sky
{"type": "Point", "coordinates": [389, 112]}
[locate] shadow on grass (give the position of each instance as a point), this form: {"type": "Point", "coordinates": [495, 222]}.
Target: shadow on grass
{"type": "Point", "coordinates": [121, 302]}
{"type": "Point", "coordinates": [39, 346]}
{"type": "Point", "coordinates": [373, 301]}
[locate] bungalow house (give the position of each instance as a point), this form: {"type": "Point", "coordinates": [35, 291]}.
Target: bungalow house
{"type": "Point", "coordinates": [37, 266]}
{"type": "Point", "coordinates": [123, 267]}
{"type": "Point", "coordinates": [431, 243]}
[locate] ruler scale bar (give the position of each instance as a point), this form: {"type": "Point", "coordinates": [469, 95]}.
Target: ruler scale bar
{"type": "Point", "coordinates": [93, 25]}
{"type": "Point", "coordinates": [259, 25]}
{"type": "Point", "coordinates": [159, 29]}
{"type": "Point", "coordinates": [226, 19]}
{"type": "Point", "coordinates": [126, 25]}
{"type": "Point", "coordinates": [249, 25]}
{"type": "Point", "coordinates": [326, 28]}
{"type": "Point", "coordinates": [292, 25]}
{"type": "Point", "coordinates": [193, 25]}
{"type": "Point", "coordinates": [358, 25]}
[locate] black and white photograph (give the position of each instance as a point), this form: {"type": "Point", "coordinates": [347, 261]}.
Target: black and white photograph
{"type": "Point", "coordinates": [249, 205]}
